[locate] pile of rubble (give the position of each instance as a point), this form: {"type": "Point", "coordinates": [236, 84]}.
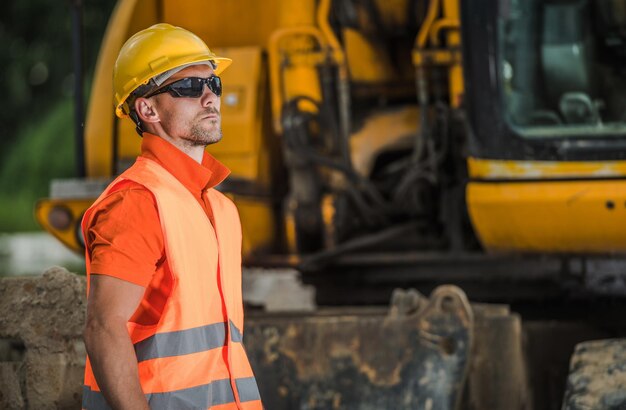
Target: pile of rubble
{"type": "Point", "coordinates": [42, 356]}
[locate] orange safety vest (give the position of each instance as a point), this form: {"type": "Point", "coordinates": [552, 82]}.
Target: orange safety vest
{"type": "Point", "coordinates": [194, 357]}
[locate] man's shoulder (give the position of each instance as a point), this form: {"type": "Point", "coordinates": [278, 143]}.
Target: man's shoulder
{"type": "Point", "coordinates": [130, 188]}
{"type": "Point", "coordinates": [125, 196]}
{"type": "Point", "coordinates": [123, 234]}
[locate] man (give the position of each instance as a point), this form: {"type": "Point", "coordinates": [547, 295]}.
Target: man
{"type": "Point", "coordinates": [164, 310]}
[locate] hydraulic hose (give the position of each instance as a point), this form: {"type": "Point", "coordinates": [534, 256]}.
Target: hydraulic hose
{"type": "Point", "coordinates": [368, 202]}
{"type": "Point", "coordinates": [318, 260]}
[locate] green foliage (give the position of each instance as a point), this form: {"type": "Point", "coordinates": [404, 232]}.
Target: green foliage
{"type": "Point", "coordinates": [43, 151]}
{"type": "Point", "coordinates": [16, 213]}
{"type": "Point", "coordinates": [36, 63]}
{"type": "Point", "coordinates": [36, 77]}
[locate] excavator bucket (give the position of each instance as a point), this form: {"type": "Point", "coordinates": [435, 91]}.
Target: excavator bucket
{"type": "Point", "coordinates": [416, 355]}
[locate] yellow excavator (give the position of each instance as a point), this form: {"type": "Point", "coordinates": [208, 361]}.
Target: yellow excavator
{"type": "Point", "coordinates": [377, 144]}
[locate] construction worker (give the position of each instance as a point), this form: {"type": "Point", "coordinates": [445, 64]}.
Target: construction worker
{"type": "Point", "coordinates": [163, 247]}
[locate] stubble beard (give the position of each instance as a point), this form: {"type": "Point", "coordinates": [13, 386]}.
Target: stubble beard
{"type": "Point", "coordinates": [202, 134]}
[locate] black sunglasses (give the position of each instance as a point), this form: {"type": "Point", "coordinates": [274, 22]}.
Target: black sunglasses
{"type": "Point", "coordinates": [191, 87]}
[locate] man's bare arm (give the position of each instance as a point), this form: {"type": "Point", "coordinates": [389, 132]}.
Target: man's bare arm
{"type": "Point", "coordinates": [110, 305]}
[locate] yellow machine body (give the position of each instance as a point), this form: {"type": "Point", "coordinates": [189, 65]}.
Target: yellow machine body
{"type": "Point", "coordinates": [548, 207]}
{"type": "Point", "coordinates": [70, 211]}
{"type": "Point", "coordinates": [276, 47]}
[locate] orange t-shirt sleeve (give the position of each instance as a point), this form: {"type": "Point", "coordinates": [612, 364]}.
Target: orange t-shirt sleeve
{"type": "Point", "coordinates": [124, 237]}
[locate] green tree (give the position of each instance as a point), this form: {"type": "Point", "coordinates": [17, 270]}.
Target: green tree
{"type": "Point", "coordinates": [36, 65]}
{"type": "Point", "coordinates": [36, 75]}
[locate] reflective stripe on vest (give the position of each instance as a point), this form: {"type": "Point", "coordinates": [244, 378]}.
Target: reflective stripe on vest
{"type": "Point", "coordinates": [191, 358]}
{"type": "Point", "coordinates": [212, 394]}
{"type": "Point", "coordinates": [188, 341]}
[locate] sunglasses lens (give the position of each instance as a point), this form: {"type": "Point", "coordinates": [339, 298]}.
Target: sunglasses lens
{"type": "Point", "coordinates": [215, 85]}
{"type": "Point", "coordinates": [193, 87]}
{"type": "Point", "coordinates": [187, 87]}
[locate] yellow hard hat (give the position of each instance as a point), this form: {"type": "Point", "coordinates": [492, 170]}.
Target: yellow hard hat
{"type": "Point", "coordinates": [156, 50]}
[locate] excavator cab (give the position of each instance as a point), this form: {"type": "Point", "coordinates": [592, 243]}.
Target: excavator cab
{"type": "Point", "coordinates": [545, 96]}
{"type": "Point", "coordinates": [560, 68]}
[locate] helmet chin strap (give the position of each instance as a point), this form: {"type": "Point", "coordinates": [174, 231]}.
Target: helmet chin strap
{"type": "Point", "coordinates": [133, 116]}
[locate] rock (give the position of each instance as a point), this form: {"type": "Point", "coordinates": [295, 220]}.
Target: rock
{"type": "Point", "coordinates": [10, 391]}
{"type": "Point", "coordinates": [41, 323]}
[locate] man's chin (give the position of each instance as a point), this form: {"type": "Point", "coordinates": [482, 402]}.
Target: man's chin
{"type": "Point", "coordinates": [214, 140]}
{"type": "Point", "coordinates": [206, 137]}
{"type": "Point", "coordinates": [214, 136]}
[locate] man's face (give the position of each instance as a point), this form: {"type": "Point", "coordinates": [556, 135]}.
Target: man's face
{"type": "Point", "coordinates": [193, 121]}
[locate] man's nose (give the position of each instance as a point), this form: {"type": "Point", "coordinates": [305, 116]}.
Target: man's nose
{"type": "Point", "coordinates": [208, 96]}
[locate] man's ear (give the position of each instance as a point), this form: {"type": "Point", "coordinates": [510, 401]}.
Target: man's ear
{"type": "Point", "coordinates": [146, 110]}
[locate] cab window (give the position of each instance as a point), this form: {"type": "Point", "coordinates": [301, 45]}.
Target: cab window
{"type": "Point", "coordinates": [563, 67]}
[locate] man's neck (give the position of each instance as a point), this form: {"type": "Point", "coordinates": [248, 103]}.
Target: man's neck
{"type": "Point", "coordinates": [196, 152]}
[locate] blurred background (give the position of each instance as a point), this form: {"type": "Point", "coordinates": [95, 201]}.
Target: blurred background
{"type": "Point", "coordinates": [36, 117]}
